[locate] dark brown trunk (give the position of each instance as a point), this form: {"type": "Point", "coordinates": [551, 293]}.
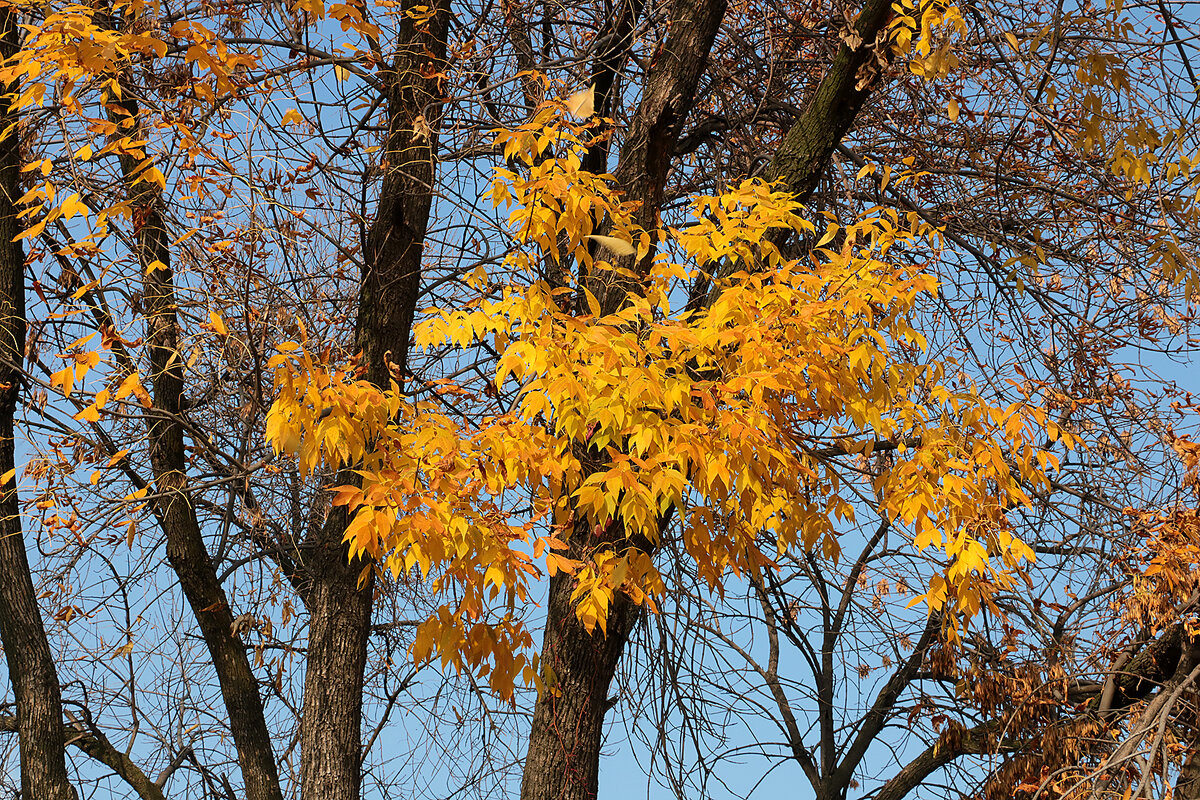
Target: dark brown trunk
{"type": "Point", "coordinates": [667, 96]}
{"type": "Point", "coordinates": [563, 759]}
{"type": "Point", "coordinates": [804, 155]}
{"type": "Point", "coordinates": [173, 503]}
{"type": "Point", "coordinates": [30, 664]}
{"type": "Point", "coordinates": [339, 607]}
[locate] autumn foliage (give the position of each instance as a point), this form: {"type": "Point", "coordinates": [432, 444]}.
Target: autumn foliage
{"type": "Point", "coordinates": [799, 379]}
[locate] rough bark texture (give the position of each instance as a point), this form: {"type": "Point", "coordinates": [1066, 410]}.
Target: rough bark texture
{"type": "Point", "coordinates": [568, 723]}
{"type": "Point", "coordinates": [807, 148]}
{"type": "Point", "coordinates": [339, 607]}
{"type": "Point", "coordinates": [1147, 671]}
{"type": "Point", "coordinates": [667, 95]}
{"type": "Point", "coordinates": [568, 719]}
{"type": "Point", "coordinates": [30, 663]}
{"type": "Point", "coordinates": [804, 155]}
{"type": "Point", "coordinates": [186, 551]}
{"type": "Point", "coordinates": [973, 741]}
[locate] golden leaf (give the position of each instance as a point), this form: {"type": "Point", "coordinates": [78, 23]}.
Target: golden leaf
{"type": "Point", "coordinates": [618, 246]}
{"type": "Point", "coordinates": [582, 104]}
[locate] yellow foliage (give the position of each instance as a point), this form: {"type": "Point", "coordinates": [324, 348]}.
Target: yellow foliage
{"type": "Point", "coordinates": [738, 418]}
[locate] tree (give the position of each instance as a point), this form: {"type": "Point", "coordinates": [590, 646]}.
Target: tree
{"type": "Point", "coordinates": [717, 388]}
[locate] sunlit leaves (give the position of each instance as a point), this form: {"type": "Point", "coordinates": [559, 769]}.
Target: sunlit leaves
{"type": "Point", "coordinates": [740, 420]}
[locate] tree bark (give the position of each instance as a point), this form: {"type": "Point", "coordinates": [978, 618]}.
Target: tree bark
{"type": "Point", "coordinates": [563, 758]}
{"type": "Point", "coordinates": [30, 663]}
{"type": "Point", "coordinates": [667, 95]}
{"type": "Point", "coordinates": [175, 509]}
{"type": "Point", "coordinates": [341, 592]}
{"type": "Point", "coordinates": [804, 155]}
{"type": "Point", "coordinates": [807, 148]}
{"type": "Point", "coordinates": [973, 741]}
{"type": "Point", "coordinates": [1187, 787]}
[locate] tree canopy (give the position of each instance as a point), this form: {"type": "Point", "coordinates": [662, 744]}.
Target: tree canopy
{"type": "Point", "coordinates": [407, 399]}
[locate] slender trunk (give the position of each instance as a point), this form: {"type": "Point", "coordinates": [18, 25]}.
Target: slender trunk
{"type": "Point", "coordinates": [30, 663]}
{"type": "Point", "coordinates": [808, 146]}
{"type": "Point", "coordinates": [563, 759]}
{"type": "Point", "coordinates": [340, 597]}
{"type": "Point", "coordinates": [1187, 787]}
{"type": "Point", "coordinates": [804, 155]}
{"type": "Point", "coordinates": [186, 551]}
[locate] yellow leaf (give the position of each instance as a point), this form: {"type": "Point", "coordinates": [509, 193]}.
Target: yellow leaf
{"type": "Point", "coordinates": [952, 110]}
{"type": "Point", "coordinates": [31, 231]}
{"type": "Point", "coordinates": [72, 206]}
{"type": "Point", "coordinates": [64, 379]}
{"type": "Point", "coordinates": [582, 104]}
{"type": "Point", "coordinates": [292, 116]}
{"type": "Point", "coordinates": [89, 414]}
{"type": "Point", "coordinates": [8, 476]}
{"type": "Point", "coordinates": [133, 385]}
{"type": "Point", "coordinates": [618, 246]}
{"type": "Point", "coordinates": [218, 325]}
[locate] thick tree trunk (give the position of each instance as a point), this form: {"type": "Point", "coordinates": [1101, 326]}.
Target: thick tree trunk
{"type": "Point", "coordinates": [175, 510]}
{"type": "Point", "coordinates": [568, 723]}
{"type": "Point", "coordinates": [563, 760]}
{"type": "Point", "coordinates": [340, 597]}
{"type": "Point", "coordinates": [30, 663]}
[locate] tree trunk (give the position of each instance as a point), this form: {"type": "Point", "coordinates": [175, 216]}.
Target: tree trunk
{"type": "Point", "coordinates": [803, 157]}
{"type": "Point", "coordinates": [563, 759]}
{"type": "Point", "coordinates": [175, 510]}
{"type": "Point", "coordinates": [340, 597]}
{"type": "Point", "coordinates": [30, 663]}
